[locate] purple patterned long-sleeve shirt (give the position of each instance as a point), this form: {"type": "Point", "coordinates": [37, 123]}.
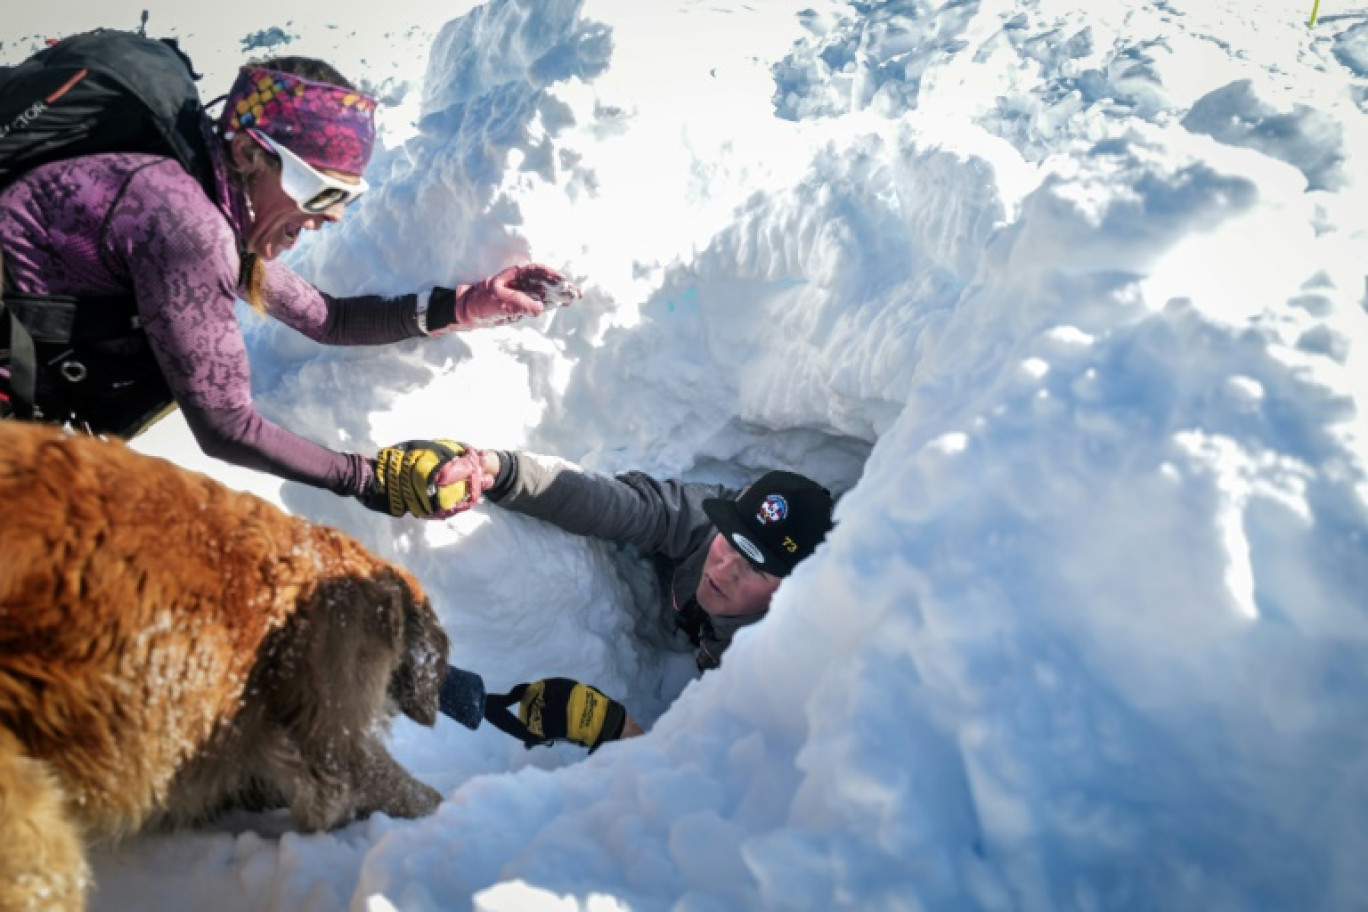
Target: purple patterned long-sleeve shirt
{"type": "Point", "coordinates": [122, 223]}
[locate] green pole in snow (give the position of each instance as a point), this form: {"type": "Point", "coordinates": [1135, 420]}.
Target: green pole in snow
{"type": "Point", "coordinates": [1315, 8]}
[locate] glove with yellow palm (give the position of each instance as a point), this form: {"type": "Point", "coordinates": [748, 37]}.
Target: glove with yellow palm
{"type": "Point", "coordinates": [558, 709]}
{"type": "Point", "coordinates": [430, 479]}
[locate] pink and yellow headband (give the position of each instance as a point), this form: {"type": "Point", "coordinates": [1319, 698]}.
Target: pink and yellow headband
{"type": "Point", "coordinates": [328, 126]}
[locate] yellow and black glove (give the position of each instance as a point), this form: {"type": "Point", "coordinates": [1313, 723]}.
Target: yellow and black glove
{"type": "Point", "coordinates": [557, 709]}
{"type": "Point", "coordinates": [407, 479]}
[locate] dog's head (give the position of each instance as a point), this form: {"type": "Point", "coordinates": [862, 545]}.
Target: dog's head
{"type": "Point", "coordinates": [417, 678]}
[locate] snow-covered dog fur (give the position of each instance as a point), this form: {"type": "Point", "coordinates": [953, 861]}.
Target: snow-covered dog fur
{"type": "Point", "coordinates": [169, 648]}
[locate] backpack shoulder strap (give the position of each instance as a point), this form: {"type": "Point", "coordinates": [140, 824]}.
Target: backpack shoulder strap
{"type": "Point", "coordinates": [23, 378]}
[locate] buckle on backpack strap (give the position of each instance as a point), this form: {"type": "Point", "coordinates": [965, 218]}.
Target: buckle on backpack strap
{"type": "Point", "coordinates": [73, 371]}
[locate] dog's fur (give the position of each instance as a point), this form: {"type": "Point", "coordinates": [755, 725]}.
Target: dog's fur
{"type": "Point", "coordinates": [169, 648]}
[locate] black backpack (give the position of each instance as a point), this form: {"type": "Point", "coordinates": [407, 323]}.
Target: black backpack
{"type": "Point", "coordinates": [103, 91]}
{"type": "Point", "coordinates": [99, 91]}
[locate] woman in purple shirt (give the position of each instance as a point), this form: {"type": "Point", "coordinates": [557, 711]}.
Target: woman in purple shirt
{"type": "Point", "coordinates": [292, 143]}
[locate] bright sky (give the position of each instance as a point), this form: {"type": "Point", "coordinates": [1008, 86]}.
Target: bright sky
{"type": "Point", "coordinates": [1068, 297]}
{"type": "Point", "coordinates": [387, 50]}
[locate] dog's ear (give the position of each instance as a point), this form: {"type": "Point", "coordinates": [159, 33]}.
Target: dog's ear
{"type": "Point", "coordinates": [422, 666]}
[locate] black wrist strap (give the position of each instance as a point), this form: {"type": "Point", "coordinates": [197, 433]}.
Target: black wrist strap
{"type": "Point", "coordinates": [507, 477]}
{"type": "Point", "coordinates": [441, 308]}
{"type": "Point", "coordinates": [614, 722]}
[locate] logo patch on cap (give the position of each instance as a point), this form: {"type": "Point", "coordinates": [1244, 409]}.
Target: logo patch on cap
{"type": "Point", "coordinates": [772, 509]}
{"type": "Point", "coordinates": [747, 547]}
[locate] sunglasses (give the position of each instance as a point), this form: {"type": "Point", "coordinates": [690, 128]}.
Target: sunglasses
{"type": "Point", "coordinates": [313, 191]}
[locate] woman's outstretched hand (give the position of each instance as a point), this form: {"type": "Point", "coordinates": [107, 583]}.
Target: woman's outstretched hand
{"type": "Point", "coordinates": [511, 294]}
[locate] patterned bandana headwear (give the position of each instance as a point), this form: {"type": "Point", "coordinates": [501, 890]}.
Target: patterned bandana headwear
{"type": "Point", "coordinates": [328, 126]}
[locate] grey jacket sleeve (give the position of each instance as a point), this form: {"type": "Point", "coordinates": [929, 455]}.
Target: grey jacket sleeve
{"type": "Point", "coordinates": [659, 517]}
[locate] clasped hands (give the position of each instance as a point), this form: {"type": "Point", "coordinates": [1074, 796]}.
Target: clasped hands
{"type": "Point", "coordinates": [430, 479]}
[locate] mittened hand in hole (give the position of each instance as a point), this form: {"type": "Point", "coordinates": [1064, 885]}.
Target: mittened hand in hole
{"type": "Point", "coordinates": [514, 293]}
{"type": "Point", "coordinates": [560, 709]}
{"type": "Point", "coordinates": [548, 286]}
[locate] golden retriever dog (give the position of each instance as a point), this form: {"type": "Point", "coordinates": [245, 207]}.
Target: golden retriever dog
{"type": "Point", "coordinates": [170, 648]}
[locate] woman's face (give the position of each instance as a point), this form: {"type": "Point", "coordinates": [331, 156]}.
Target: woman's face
{"type": "Point", "coordinates": [730, 585]}
{"type": "Point", "coordinates": [277, 219]}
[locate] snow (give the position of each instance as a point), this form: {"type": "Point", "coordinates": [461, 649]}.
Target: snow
{"type": "Point", "coordinates": [1067, 300]}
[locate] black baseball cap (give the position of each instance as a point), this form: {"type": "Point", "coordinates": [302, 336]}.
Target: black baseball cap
{"type": "Point", "coordinates": [776, 522]}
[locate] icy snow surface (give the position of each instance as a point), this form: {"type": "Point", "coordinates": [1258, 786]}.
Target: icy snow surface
{"type": "Point", "coordinates": [1068, 299]}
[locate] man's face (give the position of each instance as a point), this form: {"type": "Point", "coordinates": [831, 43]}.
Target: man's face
{"type": "Point", "coordinates": [730, 585]}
